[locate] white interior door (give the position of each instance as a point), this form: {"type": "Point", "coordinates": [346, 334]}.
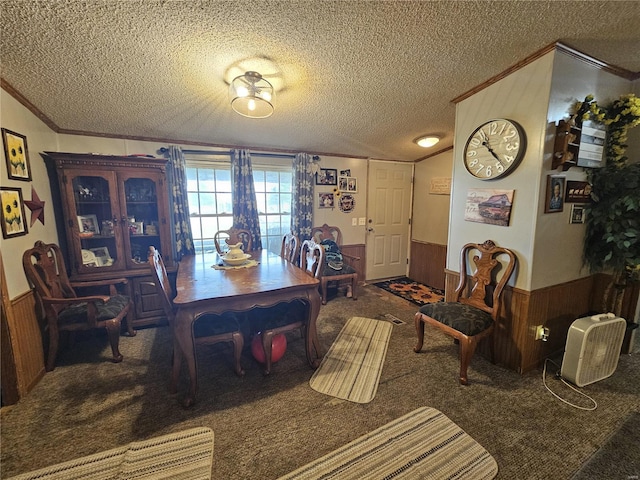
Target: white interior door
{"type": "Point", "coordinates": [388, 208]}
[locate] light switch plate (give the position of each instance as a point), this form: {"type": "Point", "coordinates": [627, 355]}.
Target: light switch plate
{"type": "Point", "coordinates": [362, 221]}
{"type": "Point", "coordinates": [354, 222]}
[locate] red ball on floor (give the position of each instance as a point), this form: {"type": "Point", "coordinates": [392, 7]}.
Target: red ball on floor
{"type": "Point", "coordinates": [278, 347]}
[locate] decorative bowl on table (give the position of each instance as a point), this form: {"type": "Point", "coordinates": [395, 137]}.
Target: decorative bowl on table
{"type": "Point", "coordinates": [236, 260]}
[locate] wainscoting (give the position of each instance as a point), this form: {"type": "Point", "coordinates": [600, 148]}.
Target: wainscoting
{"type": "Point", "coordinates": [22, 353]}
{"type": "Point", "coordinates": [554, 307]}
{"type": "Point", "coordinates": [427, 263]}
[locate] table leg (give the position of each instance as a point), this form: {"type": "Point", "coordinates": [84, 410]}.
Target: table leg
{"type": "Point", "coordinates": [184, 339]}
{"type": "Point", "coordinates": [314, 352]}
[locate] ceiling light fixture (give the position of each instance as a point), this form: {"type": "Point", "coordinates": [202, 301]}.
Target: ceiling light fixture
{"type": "Point", "coordinates": [251, 95]}
{"type": "Point", "coordinates": [427, 141]}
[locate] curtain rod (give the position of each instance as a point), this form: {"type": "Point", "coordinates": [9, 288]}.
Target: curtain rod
{"type": "Point", "coordinates": [227, 152]}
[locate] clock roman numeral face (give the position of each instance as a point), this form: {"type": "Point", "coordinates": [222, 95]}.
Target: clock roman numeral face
{"type": "Point", "coordinates": [494, 149]}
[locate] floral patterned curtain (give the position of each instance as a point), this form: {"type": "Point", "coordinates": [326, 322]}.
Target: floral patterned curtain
{"type": "Point", "coordinates": [245, 207]}
{"type": "Point", "coordinates": [182, 240]}
{"type": "Point", "coordinates": [302, 201]}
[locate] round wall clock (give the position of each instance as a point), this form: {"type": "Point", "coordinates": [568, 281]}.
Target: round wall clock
{"type": "Point", "coordinates": [494, 149]}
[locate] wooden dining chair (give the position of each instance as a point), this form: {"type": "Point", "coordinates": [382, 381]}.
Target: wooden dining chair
{"type": "Point", "coordinates": [290, 316]}
{"type": "Point", "coordinates": [64, 309]}
{"type": "Point", "coordinates": [207, 329]}
{"type": "Point", "coordinates": [476, 309]}
{"type": "Point", "coordinates": [231, 237]}
{"type": "Point", "coordinates": [330, 235]}
{"type": "Point", "coordinates": [290, 248]}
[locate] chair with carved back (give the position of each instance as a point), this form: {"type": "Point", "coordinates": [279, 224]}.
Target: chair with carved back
{"type": "Point", "coordinates": [290, 316]}
{"type": "Point", "coordinates": [290, 248]}
{"type": "Point", "coordinates": [476, 309]}
{"type": "Point", "coordinates": [64, 309]}
{"type": "Point", "coordinates": [347, 270]}
{"type": "Point", "coordinates": [207, 329]}
{"type": "Point", "coordinates": [232, 236]}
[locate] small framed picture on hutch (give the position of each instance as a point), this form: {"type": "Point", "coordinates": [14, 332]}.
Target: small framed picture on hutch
{"type": "Point", "coordinates": [13, 220]}
{"type": "Point", "coordinates": [17, 155]}
{"type": "Point", "coordinates": [88, 224]}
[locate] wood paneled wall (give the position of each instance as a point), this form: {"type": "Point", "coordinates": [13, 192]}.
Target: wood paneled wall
{"type": "Point", "coordinates": [22, 354]}
{"type": "Point", "coordinates": [554, 307]}
{"type": "Point", "coordinates": [427, 263]}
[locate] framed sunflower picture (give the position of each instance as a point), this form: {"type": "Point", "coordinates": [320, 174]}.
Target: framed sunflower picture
{"type": "Point", "coordinates": [13, 224]}
{"type": "Point", "coordinates": [17, 155]}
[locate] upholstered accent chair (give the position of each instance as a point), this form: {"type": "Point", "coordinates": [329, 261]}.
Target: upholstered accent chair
{"type": "Point", "coordinates": [348, 272]}
{"type": "Point", "coordinates": [476, 309]}
{"type": "Point", "coordinates": [207, 329]}
{"type": "Point", "coordinates": [64, 309]}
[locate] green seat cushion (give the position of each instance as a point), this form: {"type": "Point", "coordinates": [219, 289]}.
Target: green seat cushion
{"type": "Point", "coordinates": [106, 311]}
{"type": "Point", "coordinates": [463, 318]}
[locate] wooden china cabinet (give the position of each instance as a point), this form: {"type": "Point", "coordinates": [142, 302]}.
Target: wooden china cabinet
{"type": "Point", "coordinates": [114, 208]}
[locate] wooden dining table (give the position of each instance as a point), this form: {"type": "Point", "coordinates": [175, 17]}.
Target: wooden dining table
{"type": "Point", "coordinates": [202, 289]}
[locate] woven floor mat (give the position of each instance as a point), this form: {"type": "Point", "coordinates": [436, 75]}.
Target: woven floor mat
{"type": "Point", "coordinates": [422, 444]}
{"type": "Point", "coordinates": [352, 367]}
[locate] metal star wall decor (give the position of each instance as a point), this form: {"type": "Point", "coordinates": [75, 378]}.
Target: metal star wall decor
{"type": "Point", "coordinates": [36, 206]}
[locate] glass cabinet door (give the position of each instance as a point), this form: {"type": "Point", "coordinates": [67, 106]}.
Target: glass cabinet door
{"type": "Point", "coordinates": [94, 223]}
{"type": "Point", "coordinates": [141, 197]}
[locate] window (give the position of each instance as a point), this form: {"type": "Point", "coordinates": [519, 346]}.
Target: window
{"type": "Point", "coordinates": [209, 195]}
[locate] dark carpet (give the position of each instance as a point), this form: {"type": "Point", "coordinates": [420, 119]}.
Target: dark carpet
{"type": "Point", "coordinates": [266, 427]}
{"type": "Point", "coordinates": [616, 458]}
{"type": "Point", "coordinates": [411, 290]}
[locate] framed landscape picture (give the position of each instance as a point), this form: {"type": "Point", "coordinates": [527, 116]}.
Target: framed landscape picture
{"type": "Point", "coordinates": [13, 224]}
{"type": "Point", "coordinates": [16, 155]}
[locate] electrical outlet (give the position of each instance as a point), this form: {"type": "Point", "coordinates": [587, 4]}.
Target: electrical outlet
{"type": "Point", "coordinates": [354, 222]}
{"type": "Point", "coordinates": [542, 333]}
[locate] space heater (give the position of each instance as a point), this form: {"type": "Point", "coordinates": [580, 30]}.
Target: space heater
{"type": "Point", "coordinates": [593, 348]}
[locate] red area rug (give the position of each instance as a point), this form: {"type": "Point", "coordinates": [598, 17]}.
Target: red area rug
{"type": "Point", "coordinates": [411, 290]}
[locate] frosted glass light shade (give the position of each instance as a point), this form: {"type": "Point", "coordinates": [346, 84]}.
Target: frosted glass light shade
{"type": "Point", "coordinates": [428, 141]}
{"type": "Point", "coordinates": [251, 95]}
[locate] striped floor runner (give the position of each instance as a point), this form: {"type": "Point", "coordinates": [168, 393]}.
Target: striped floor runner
{"type": "Point", "coordinates": [423, 444]}
{"type": "Point", "coordinates": [351, 368]}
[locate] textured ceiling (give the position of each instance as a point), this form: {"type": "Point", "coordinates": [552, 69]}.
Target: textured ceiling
{"type": "Point", "coordinates": [360, 78]}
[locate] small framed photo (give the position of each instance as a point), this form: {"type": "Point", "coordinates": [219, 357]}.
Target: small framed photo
{"type": "Point", "coordinates": [88, 224]}
{"type": "Point", "coordinates": [327, 176]}
{"type": "Point", "coordinates": [345, 173]}
{"type": "Point", "coordinates": [326, 200]}
{"type": "Point", "coordinates": [554, 201]}
{"type": "Point", "coordinates": [348, 184]}
{"type": "Point", "coordinates": [103, 257]}
{"type": "Point", "coordinates": [13, 220]}
{"type": "Point", "coordinates": [17, 155]}
{"type": "Point", "coordinates": [136, 228]}
{"type": "Point", "coordinates": [577, 214]}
